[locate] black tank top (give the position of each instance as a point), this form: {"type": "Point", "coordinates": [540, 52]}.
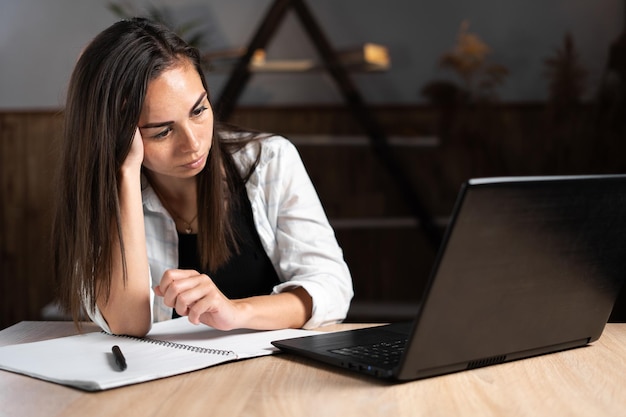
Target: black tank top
{"type": "Point", "coordinates": [248, 272]}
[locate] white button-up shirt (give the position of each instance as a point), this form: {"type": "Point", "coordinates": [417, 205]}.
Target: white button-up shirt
{"type": "Point", "coordinates": [291, 224]}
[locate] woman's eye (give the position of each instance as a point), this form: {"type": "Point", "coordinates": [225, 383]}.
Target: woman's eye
{"type": "Point", "coordinates": [163, 133]}
{"type": "Point", "coordinates": [199, 110]}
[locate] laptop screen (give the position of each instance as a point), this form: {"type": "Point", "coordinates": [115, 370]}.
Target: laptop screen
{"type": "Point", "coordinates": [528, 264]}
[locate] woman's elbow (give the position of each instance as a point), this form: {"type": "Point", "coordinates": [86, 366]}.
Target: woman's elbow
{"type": "Point", "coordinates": [130, 329]}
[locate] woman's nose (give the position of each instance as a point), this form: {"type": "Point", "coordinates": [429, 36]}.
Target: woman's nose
{"type": "Point", "coordinates": [190, 141]}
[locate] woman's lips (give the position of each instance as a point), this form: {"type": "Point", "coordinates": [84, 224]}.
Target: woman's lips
{"type": "Point", "coordinates": [196, 163]}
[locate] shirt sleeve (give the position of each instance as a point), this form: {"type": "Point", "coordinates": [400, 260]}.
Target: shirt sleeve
{"type": "Point", "coordinates": [298, 236]}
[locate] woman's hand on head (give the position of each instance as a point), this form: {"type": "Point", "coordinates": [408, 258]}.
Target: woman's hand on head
{"type": "Point", "coordinates": [195, 295]}
{"type": "Point", "coordinates": [134, 159]}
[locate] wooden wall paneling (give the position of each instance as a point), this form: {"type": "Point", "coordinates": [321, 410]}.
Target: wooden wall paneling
{"type": "Point", "coordinates": [389, 264]}
{"type": "Point", "coordinates": [27, 163]}
{"type": "Point", "coordinates": [14, 283]}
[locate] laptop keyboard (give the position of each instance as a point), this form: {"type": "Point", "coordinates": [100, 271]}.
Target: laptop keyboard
{"type": "Point", "coordinates": [383, 353]}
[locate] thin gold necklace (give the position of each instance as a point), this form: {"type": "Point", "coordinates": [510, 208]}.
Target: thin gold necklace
{"type": "Point", "coordinates": [188, 228]}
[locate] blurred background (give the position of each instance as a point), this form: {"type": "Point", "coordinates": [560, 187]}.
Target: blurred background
{"type": "Point", "coordinates": [428, 94]}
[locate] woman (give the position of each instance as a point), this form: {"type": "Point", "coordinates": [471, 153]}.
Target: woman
{"type": "Point", "coordinates": [164, 212]}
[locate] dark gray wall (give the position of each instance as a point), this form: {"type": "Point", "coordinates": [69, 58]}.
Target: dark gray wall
{"type": "Point", "coordinates": [40, 39]}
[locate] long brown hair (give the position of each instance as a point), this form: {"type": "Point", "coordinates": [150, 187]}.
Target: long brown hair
{"type": "Point", "coordinates": [104, 100]}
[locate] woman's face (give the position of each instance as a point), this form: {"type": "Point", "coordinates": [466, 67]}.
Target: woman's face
{"type": "Point", "coordinates": [176, 124]}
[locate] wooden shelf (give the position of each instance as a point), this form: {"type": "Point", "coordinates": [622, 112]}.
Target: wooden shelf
{"type": "Point", "coordinates": [368, 57]}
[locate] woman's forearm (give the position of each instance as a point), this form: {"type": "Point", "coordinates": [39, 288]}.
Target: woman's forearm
{"type": "Point", "coordinates": [289, 309]}
{"type": "Point", "coordinates": [127, 307]}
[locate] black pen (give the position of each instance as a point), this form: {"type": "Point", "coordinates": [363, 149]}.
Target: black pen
{"type": "Point", "coordinates": [119, 357]}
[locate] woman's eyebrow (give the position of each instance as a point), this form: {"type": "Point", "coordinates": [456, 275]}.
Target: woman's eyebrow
{"type": "Point", "coordinates": [168, 123]}
{"type": "Point", "coordinates": [154, 125]}
{"type": "Point", "coordinates": [202, 96]}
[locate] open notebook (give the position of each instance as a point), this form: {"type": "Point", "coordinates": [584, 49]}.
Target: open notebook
{"type": "Point", "coordinates": [172, 347]}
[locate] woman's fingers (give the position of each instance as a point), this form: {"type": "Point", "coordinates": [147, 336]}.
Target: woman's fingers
{"type": "Point", "coordinates": [189, 293]}
{"type": "Point", "coordinates": [172, 275]}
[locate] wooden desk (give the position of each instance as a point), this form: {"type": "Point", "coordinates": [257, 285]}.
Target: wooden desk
{"type": "Point", "coordinates": [589, 381]}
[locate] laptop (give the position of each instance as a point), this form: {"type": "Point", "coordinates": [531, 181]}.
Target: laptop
{"type": "Point", "coordinates": [528, 266]}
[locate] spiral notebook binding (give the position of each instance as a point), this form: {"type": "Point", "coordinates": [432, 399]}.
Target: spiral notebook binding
{"type": "Point", "coordinates": [174, 345]}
